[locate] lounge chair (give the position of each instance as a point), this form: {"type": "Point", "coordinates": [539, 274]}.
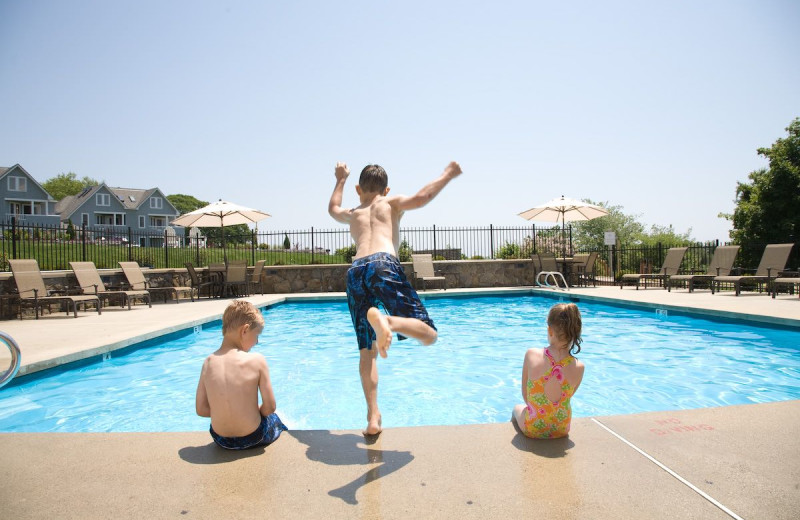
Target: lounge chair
{"type": "Point", "coordinates": [137, 282]}
{"type": "Point", "coordinates": [423, 270]}
{"type": "Point", "coordinates": [721, 265]}
{"type": "Point", "coordinates": [32, 290]}
{"type": "Point", "coordinates": [235, 278]}
{"type": "Point", "coordinates": [89, 282]}
{"type": "Point", "coordinates": [211, 283]}
{"type": "Point", "coordinates": [793, 282]}
{"type": "Point", "coordinates": [550, 272]}
{"type": "Point", "coordinates": [672, 265]}
{"type": "Point", "coordinates": [773, 261]}
{"type": "Point", "coordinates": [254, 280]}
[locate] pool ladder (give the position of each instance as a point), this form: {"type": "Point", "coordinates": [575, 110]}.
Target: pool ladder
{"type": "Point", "coordinates": [16, 358]}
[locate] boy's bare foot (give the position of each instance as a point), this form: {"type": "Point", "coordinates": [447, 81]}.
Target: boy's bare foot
{"type": "Point", "coordinates": [380, 323]}
{"type": "Point", "coordinates": [373, 426]}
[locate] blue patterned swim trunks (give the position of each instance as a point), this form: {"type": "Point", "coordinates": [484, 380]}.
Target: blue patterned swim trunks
{"type": "Point", "coordinates": [268, 432]}
{"type": "Point", "coordinates": [379, 278]}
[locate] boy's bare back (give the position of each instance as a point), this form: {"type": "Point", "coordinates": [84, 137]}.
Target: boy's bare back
{"type": "Point", "coordinates": [230, 380]}
{"type": "Point", "coordinates": [375, 223]}
{"type": "Point", "coordinates": [375, 227]}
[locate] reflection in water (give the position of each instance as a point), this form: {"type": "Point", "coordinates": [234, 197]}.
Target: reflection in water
{"type": "Point", "coordinates": [345, 450]}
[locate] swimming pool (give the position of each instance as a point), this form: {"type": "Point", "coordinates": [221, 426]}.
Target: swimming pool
{"type": "Point", "coordinates": [637, 361]}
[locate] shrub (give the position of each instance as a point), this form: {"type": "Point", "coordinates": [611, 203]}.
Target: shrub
{"type": "Point", "coordinates": [347, 253]}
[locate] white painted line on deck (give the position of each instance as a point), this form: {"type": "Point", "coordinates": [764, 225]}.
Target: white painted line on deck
{"type": "Point", "coordinates": [665, 468]}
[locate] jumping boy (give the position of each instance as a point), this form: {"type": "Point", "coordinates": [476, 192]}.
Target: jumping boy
{"type": "Point", "coordinates": [231, 380]}
{"type": "Point", "coordinates": [377, 276]}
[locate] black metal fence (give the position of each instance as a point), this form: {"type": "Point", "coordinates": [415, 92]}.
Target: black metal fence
{"type": "Point", "coordinates": [54, 247]}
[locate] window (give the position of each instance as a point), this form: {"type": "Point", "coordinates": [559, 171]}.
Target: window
{"type": "Point", "coordinates": [156, 203]}
{"type": "Point", "coordinates": [17, 183]}
{"type": "Point", "coordinates": [84, 219]}
{"type": "Point", "coordinates": [119, 219]}
{"type": "Point", "coordinates": [141, 221]}
{"type": "Point", "coordinates": [102, 199]}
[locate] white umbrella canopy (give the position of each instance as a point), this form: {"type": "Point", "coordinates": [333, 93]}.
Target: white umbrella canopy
{"type": "Point", "coordinates": [220, 214]}
{"type": "Point", "coordinates": [567, 210]}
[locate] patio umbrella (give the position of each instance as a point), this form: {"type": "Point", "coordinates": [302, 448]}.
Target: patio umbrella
{"type": "Point", "coordinates": [220, 214]}
{"type": "Point", "coordinates": [568, 210]}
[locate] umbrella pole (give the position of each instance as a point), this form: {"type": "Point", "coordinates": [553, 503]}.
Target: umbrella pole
{"type": "Point", "coordinates": [224, 248]}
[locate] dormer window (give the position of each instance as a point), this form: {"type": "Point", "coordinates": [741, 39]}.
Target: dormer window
{"type": "Point", "coordinates": [156, 203]}
{"type": "Point", "coordinates": [102, 199]}
{"type": "Point", "coordinates": [17, 183]}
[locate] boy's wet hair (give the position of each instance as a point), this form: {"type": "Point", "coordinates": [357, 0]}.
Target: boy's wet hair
{"type": "Point", "coordinates": [565, 320]}
{"type": "Point", "coordinates": [373, 179]}
{"type": "Point", "coordinates": [240, 313]}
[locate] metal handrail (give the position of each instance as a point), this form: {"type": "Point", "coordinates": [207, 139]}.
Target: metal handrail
{"type": "Point", "coordinates": [16, 358]}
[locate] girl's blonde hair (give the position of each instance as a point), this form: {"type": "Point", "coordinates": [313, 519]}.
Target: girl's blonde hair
{"type": "Point", "coordinates": [565, 320]}
{"type": "Point", "coordinates": [239, 313]}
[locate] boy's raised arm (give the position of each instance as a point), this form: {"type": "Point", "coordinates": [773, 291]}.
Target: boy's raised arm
{"type": "Point", "coordinates": [335, 205]}
{"type": "Point", "coordinates": [429, 191]}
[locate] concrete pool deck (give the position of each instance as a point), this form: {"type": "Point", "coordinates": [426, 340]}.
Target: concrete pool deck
{"type": "Point", "coordinates": [652, 465]}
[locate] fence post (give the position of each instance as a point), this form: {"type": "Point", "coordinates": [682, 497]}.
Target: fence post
{"type": "Point", "coordinates": [253, 243]}
{"type": "Point", "coordinates": [491, 242]}
{"type": "Point", "coordinates": [533, 234]}
{"type": "Point", "coordinates": [434, 241]}
{"type": "Point", "coordinates": [166, 250]}
{"type": "Point", "coordinates": [14, 238]}
{"type": "Point", "coordinates": [83, 241]}
{"type": "Point", "coordinates": [312, 244]}
{"type": "Point", "coordinates": [130, 246]}
{"type": "Point", "coordinates": [571, 252]}
{"type": "Point", "coordinates": [614, 261]}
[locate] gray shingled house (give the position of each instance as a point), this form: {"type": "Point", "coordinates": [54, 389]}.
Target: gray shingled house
{"type": "Point", "coordinates": [147, 212]}
{"type": "Point", "coordinates": [25, 199]}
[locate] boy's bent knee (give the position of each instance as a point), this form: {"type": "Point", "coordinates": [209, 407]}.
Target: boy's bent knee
{"type": "Point", "coordinates": [431, 338]}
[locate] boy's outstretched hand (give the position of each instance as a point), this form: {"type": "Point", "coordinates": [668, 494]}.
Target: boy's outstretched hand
{"type": "Point", "coordinates": [342, 171]}
{"type": "Point", "coordinates": [453, 170]}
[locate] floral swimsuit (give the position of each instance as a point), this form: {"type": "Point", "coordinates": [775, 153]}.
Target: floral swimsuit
{"type": "Point", "coordinates": [545, 419]}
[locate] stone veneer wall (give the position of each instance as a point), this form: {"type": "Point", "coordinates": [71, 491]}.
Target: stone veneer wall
{"type": "Point", "coordinates": [459, 273]}
{"type": "Point", "coordinates": [307, 278]}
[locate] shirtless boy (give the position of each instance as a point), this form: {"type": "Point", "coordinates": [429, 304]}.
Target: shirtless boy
{"type": "Point", "coordinates": [231, 380]}
{"type": "Point", "coordinates": [377, 276]}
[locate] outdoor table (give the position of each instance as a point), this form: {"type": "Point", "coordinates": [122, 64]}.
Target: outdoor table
{"type": "Point", "coordinates": [566, 263]}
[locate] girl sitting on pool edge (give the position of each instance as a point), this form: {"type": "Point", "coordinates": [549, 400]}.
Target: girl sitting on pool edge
{"type": "Point", "coordinates": [551, 376]}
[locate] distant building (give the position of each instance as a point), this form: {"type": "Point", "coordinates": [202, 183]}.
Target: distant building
{"type": "Point", "coordinates": [25, 199]}
{"type": "Point", "coordinates": [147, 212]}
{"type": "Point", "coordinates": [101, 208]}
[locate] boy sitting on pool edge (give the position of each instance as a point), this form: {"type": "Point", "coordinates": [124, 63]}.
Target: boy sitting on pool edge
{"type": "Point", "coordinates": [231, 380]}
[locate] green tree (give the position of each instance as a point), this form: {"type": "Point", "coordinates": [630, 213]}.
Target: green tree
{"type": "Point", "coordinates": [287, 244]}
{"type": "Point", "coordinates": [66, 184]}
{"type": "Point", "coordinates": [185, 203]}
{"type": "Point", "coordinates": [768, 207]}
{"type": "Point", "coordinates": [667, 236]}
{"type": "Point", "coordinates": [590, 234]}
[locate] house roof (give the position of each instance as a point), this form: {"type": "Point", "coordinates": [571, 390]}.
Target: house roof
{"type": "Point", "coordinates": [69, 204]}
{"type": "Point", "coordinates": [6, 169]}
{"type": "Point", "coordinates": [132, 198]}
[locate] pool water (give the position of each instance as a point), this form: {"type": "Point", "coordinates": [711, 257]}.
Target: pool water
{"type": "Point", "coordinates": [636, 361]}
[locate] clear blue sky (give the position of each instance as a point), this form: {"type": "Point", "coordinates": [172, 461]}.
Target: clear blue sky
{"type": "Point", "coordinates": [657, 107]}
